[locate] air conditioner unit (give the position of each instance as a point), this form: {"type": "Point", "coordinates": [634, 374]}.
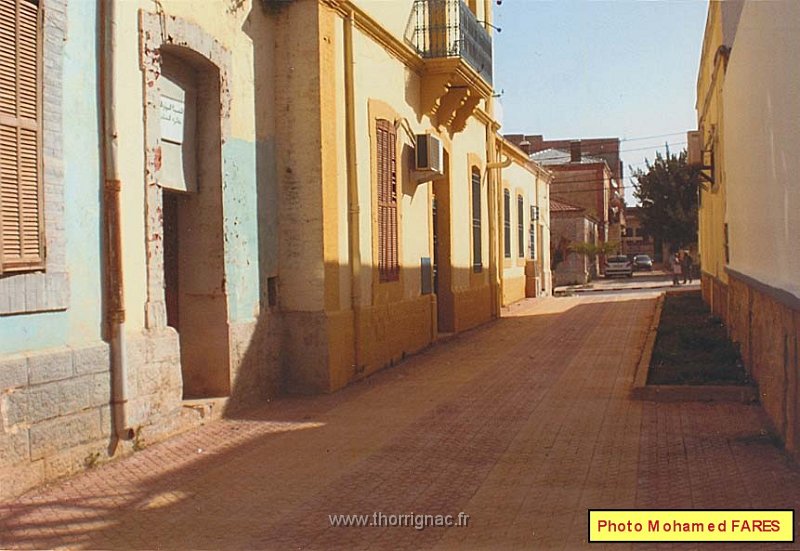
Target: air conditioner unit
{"type": "Point", "coordinates": [430, 155]}
{"type": "Point", "coordinates": [694, 156]}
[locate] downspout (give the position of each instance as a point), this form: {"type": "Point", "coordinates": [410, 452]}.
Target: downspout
{"type": "Point", "coordinates": [353, 211]}
{"type": "Point", "coordinates": [496, 184]}
{"type": "Point", "coordinates": [492, 206]}
{"type": "Point", "coordinates": [115, 298]}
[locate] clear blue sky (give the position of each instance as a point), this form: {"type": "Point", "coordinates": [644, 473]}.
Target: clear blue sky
{"type": "Point", "coordinates": [591, 69]}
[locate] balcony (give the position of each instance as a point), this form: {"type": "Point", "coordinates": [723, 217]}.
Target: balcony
{"type": "Point", "coordinates": [457, 51]}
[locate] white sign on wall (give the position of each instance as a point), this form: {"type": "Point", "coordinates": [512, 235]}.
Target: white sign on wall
{"type": "Point", "coordinates": [172, 117]}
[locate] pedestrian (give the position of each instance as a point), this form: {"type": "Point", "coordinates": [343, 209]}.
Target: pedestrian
{"type": "Point", "coordinates": [676, 269]}
{"type": "Point", "coordinates": [686, 266]}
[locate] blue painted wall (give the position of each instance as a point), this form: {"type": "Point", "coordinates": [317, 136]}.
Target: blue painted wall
{"type": "Point", "coordinates": [81, 322]}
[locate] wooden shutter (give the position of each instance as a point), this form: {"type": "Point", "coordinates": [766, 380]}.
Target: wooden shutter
{"type": "Point", "coordinates": [520, 226]}
{"type": "Point", "coordinates": [507, 223]}
{"type": "Point", "coordinates": [388, 265]}
{"type": "Point", "coordinates": [21, 209]}
{"type": "Point", "coordinates": [477, 260]}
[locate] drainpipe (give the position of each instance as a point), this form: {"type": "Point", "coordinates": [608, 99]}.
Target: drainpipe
{"type": "Point", "coordinates": [115, 298]}
{"type": "Point", "coordinates": [495, 183]}
{"type": "Point", "coordinates": [353, 233]}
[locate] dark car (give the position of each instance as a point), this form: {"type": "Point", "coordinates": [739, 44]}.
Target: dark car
{"type": "Point", "coordinates": [642, 262]}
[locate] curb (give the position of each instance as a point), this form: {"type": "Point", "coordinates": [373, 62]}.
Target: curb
{"type": "Point", "coordinates": [604, 289]}
{"type": "Point", "coordinates": [681, 393]}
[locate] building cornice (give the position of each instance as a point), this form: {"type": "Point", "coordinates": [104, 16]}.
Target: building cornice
{"type": "Point", "coordinates": [369, 26]}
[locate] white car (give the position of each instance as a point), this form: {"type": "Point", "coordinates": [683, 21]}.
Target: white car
{"type": "Point", "coordinates": [619, 265]}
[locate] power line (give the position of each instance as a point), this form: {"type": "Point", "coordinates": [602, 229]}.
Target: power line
{"type": "Point", "coordinates": [652, 137]}
{"type": "Point", "coordinates": [653, 147]}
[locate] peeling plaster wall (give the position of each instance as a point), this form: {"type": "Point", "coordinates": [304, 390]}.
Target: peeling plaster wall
{"type": "Point", "coordinates": [55, 416]}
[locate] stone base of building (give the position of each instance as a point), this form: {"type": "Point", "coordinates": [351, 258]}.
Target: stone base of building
{"type": "Point", "coordinates": [513, 289]}
{"type": "Point", "coordinates": [765, 322]}
{"type": "Point", "coordinates": [715, 294]}
{"type": "Point", "coordinates": [56, 412]}
{"type": "Point", "coordinates": [473, 307]}
{"type": "Point", "coordinates": [319, 354]}
{"type": "Point", "coordinates": [56, 417]}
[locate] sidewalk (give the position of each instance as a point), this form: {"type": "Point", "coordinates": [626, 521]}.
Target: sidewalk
{"type": "Point", "coordinates": [523, 425]}
{"type": "Point", "coordinates": [656, 279]}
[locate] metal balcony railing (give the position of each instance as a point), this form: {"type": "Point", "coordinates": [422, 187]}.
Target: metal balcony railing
{"type": "Point", "coordinates": [448, 28]}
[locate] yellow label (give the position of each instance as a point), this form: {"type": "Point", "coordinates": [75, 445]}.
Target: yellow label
{"type": "Point", "coordinates": [685, 525]}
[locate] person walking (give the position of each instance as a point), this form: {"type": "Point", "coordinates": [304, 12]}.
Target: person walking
{"type": "Point", "coordinates": [686, 266]}
{"type": "Point", "coordinates": [676, 269]}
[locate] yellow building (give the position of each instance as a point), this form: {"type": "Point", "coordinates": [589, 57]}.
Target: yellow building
{"type": "Point", "coordinates": [762, 209]}
{"type": "Point", "coordinates": [525, 235]}
{"type": "Point", "coordinates": [712, 227]}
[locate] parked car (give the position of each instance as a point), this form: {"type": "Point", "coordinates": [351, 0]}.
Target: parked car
{"type": "Point", "coordinates": [619, 265]}
{"type": "Point", "coordinates": [642, 262]}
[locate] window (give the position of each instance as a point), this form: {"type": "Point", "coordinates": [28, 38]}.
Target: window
{"type": "Point", "coordinates": [507, 223]}
{"type": "Point", "coordinates": [520, 227]}
{"type": "Point", "coordinates": [21, 214]}
{"type": "Point", "coordinates": [477, 261]}
{"type": "Point", "coordinates": [386, 136]}
{"type": "Point", "coordinates": [727, 246]}
{"type": "Point", "coordinates": [534, 218]}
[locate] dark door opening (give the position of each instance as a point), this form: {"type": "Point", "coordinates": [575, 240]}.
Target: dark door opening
{"type": "Point", "coordinates": [442, 267]}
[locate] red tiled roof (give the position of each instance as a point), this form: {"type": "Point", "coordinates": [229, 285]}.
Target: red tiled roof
{"type": "Point", "coordinates": [561, 206]}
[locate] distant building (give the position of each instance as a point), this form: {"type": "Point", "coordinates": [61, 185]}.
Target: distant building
{"type": "Point", "coordinates": [588, 182]}
{"type": "Point", "coordinates": [571, 224]}
{"type": "Point", "coordinates": [602, 148]}
{"type": "Point", "coordinates": [636, 240]}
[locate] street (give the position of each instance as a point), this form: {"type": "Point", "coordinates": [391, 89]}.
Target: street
{"type": "Point", "coordinates": [523, 425]}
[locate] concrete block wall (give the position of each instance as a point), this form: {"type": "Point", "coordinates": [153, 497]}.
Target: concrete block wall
{"type": "Point", "coordinates": [51, 407]}
{"type": "Point", "coordinates": [767, 329]}
{"type": "Point", "coordinates": [55, 408]}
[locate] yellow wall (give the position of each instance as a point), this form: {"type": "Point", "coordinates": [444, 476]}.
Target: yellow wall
{"type": "Point", "coordinates": [543, 179]}
{"type": "Point", "coordinates": [522, 178]}
{"type": "Point", "coordinates": [712, 215]}
{"type": "Point", "coordinates": [394, 318]}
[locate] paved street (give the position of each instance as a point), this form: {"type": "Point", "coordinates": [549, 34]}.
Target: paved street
{"type": "Point", "coordinates": [523, 424]}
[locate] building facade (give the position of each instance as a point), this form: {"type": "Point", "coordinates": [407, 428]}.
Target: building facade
{"type": "Point", "coordinates": [525, 236]}
{"type": "Point", "coordinates": [570, 224]}
{"type": "Point", "coordinates": [712, 238]}
{"type": "Point", "coordinates": [636, 240]}
{"type": "Point", "coordinates": [244, 210]}
{"type": "Point", "coordinates": [754, 180]}
{"type": "Point", "coordinates": [587, 182]}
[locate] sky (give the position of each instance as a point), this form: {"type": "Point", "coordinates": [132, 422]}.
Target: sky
{"type": "Point", "coordinates": [595, 69]}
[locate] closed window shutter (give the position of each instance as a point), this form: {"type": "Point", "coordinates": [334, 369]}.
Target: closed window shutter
{"type": "Point", "coordinates": [477, 260]}
{"type": "Point", "coordinates": [507, 223]}
{"type": "Point", "coordinates": [388, 265]}
{"type": "Point", "coordinates": [21, 236]}
{"type": "Point", "coordinates": [520, 226]}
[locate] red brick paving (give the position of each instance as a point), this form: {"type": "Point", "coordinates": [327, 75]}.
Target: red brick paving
{"type": "Point", "coordinates": [523, 424]}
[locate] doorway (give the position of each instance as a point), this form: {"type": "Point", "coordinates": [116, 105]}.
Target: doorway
{"type": "Point", "coordinates": [442, 264]}
{"type": "Point", "coordinates": [192, 221]}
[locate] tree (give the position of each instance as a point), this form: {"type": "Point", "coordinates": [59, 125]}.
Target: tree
{"type": "Point", "coordinates": [667, 191]}
{"type": "Point", "coordinates": [593, 250]}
